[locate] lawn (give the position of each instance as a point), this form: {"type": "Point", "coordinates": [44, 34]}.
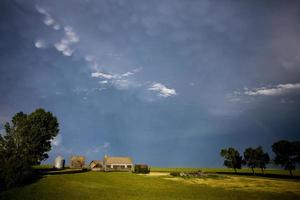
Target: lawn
{"type": "Point", "coordinates": [119, 185]}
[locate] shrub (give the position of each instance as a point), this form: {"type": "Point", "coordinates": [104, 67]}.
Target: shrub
{"type": "Point", "coordinates": [141, 169]}
{"type": "Point", "coordinates": [175, 173]}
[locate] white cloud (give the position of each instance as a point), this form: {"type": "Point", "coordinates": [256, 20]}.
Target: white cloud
{"type": "Point", "coordinates": [41, 10]}
{"type": "Point", "coordinates": [121, 82]}
{"type": "Point", "coordinates": [40, 44]}
{"type": "Point", "coordinates": [56, 27]}
{"type": "Point", "coordinates": [57, 140]}
{"type": "Point", "coordinates": [64, 45]}
{"type": "Point", "coordinates": [60, 46]}
{"type": "Point", "coordinates": [273, 91]}
{"type": "Point", "coordinates": [89, 58]}
{"type": "Point", "coordinates": [102, 75]}
{"type": "Point", "coordinates": [127, 74]}
{"type": "Point", "coordinates": [162, 90]}
{"type": "Point", "coordinates": [68, 52]}
{"type": "Point", "coordinates": [103, 82]}
{"type": "Point", "coordinates": [70, 35]}
{"type": "Point", "coordinates": [48, 20]}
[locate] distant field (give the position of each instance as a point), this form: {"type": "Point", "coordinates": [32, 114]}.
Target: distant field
{"type": "Point", "coordinates": [215, 170]}
{"type": "Point", "coordinates": [120, 185]}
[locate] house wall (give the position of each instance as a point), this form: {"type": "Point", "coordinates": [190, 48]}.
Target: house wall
{"type": "Point", "coordinates": [119, 167]}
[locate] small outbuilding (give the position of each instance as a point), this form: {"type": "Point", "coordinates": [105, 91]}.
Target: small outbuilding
{"type": "Point", "coordinates": [97, 165]}
{"type": "Point", "coordinates": [59, 162]}
{"type": "Point", "coordinates": [77, 162]}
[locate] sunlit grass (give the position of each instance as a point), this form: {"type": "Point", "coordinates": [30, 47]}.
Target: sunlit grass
{"type": "Point", "coordinates": [119, 185]}
{"type": "Point", "coordinates": [245, 183]}
{"type": "Point", "coordinates": [214, 170]}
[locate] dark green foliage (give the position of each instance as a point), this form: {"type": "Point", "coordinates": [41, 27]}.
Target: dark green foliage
{"type": "Point", "coordinates": [25, 143]}
{"type": "Point", "coordinates": [141, 169]}
{"type": "Point", "coordinates": [256, 158]}
{"type": "Point", "coordinates": [287, 154]}
{"type": "Point", "coordinates": [175, 173]}
{"type": "Point", "coordinates": [262, 157]}
{"type": "Point", "coordinates": [232, 158]}
{"type": "Point", "coordinates": [250, 158]}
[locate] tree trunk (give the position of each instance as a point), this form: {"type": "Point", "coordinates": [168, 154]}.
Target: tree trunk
{"type": "Point", "coordinates": [262, 171]}
{"type": "Point", "coordinates": [291, 173]}
{"type": "Point", "coordinates": [252, 171]}
{"type": "Point", "coordinates": [235, 170]}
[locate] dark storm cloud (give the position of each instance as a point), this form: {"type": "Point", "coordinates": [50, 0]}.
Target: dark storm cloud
{"type": "Point", "coordinates": [182, 76]}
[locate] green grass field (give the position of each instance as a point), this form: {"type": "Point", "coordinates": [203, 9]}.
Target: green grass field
{"type": "Point", "coordinates": [215, 170]}
{"type": "Point", "coordinates": [158, 185]}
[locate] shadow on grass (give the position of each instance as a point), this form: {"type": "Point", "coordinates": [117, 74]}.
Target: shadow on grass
{"type": "Point", "coordinates": [279, 176]}
{"type": "Point", "coordinates": [32, 178]}
{"type": "Point", "coordinates": [53, 171]}
{"type": "Point", "coordinates": [38, 174]}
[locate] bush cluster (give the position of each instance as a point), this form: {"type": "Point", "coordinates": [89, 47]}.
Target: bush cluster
{"type": "Point", "coordinates": [175, 173]}
{"type": "Point", "coordinates": [141, 169]}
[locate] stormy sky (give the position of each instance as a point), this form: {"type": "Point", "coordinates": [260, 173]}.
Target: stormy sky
{"type": "Point", "coordinates": [168, 82]}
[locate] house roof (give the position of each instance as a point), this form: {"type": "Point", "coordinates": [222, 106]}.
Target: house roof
{"type": "Point", "coordinates": [117, 160]}
{"type": "Point", "coordinates": [96, 163]}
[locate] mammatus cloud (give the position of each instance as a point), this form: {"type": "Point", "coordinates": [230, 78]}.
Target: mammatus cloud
{"type": "Point", "coordinates": [273, 91]}
{"type": "Point", "coordinates": [48, 19]}
{"type": "Point", "coordinates": [120, 81]}
{"type": "Point", "coordinates": [162, 90]}
{"type": "Point", "coordinates": [40, 44]}
{"type": "Point", "coordinates": [65, 44]}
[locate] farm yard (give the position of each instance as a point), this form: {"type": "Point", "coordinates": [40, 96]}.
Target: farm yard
{"type": "Point", "coordinates": [159, 184]}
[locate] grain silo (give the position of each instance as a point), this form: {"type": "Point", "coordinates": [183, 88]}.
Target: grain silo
{"type": "Point", "coordinates": [59, 162]}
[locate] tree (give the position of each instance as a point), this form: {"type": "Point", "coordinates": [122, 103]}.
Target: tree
{"type": "Point", "coordinates": [25, 143]}
{"type": "Point", "coordinates": [262, 158]}
{"type": "Point", "coordinates": [256, 158]}
{"type": "Point", "coordinates": [232, 158]}
{"type": "Point", "coordinates": [250, 158]}
{"type": "Point", "coordinates": [287, 154]}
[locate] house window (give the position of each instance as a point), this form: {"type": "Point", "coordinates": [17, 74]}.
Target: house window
{"type": "Point", "coordinates": [122, 166]}
{"type": "Point", "coordinates": [129, 166]}
{"type": "Point", "coordinates": [115, 166]}
{"type": "Point", "coordinates": [108, 166]}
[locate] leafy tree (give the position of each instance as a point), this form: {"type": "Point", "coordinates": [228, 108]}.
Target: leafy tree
{"type": "Point", "coordinates": [256, 158]}
{"type": "Point", "coordinates": [263, 158]}
{"type": "Point", "coordinates": [287, 154]}
{"type": "Point", "coordinates": [232, 158]}
{"type": "Point", "coordinates": [25, 143]}
{"type": "Point", "coordinates": [250, 158]}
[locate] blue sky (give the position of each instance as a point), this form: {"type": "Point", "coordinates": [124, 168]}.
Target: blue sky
{"type": "Point", "coordinates": [168, 82]}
